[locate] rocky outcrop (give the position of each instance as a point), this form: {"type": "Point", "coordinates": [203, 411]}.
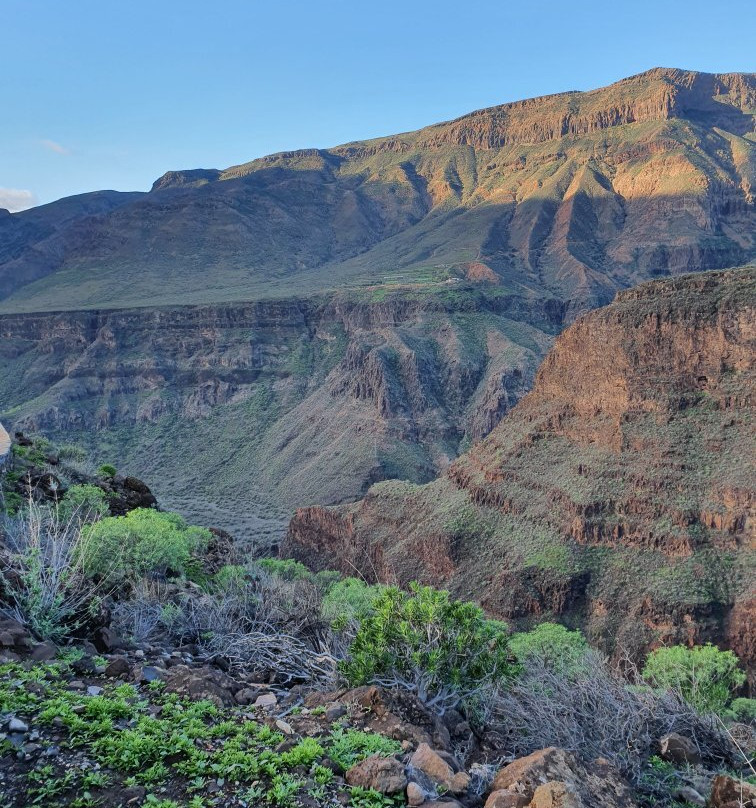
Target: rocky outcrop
{"type": "Point", "coordinates": [656, 95]}
{"type": "Point", "coordinates": [31, 478]}
{"type": "Point", "coordinates": [617, 494]}
{"type": "Point", "coordinates": [553, 778]}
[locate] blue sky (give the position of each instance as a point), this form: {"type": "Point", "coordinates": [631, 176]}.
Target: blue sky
{"type": "Point", "coordinates": [112, 94]}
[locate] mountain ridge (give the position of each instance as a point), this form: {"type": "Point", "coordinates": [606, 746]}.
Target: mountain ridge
{"type": "Point", "coordinates": [407, 289]}
{"type": "Point", "coordinates": [575, 194]}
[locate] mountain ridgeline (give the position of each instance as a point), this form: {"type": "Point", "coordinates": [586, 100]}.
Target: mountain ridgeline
{"type": "Point", "coordinates": [579, 193]}
{"type": "Point", "coordinates": [404, 289]}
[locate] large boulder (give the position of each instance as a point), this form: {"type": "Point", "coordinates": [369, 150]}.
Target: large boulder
{"type": "Point", "coordinates": [726, 792]}
{"type": "Point", "coordinates": [555, 795]}
{"type": "Point", "coordinates": [504, 798]}
{"type": "Point", "coordinates": [382, 774]}
{"type": "Point", "coordinates": [439, 769]}
{"type": "Point", "coordinates": [202, 684]}
{"type": "Point", "coordinates": [567, 783]}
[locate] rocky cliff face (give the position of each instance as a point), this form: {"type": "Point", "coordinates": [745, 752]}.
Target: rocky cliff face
{"type": "Point", "coordinates": [285, 402]}
{"type": "Point", "coordinates": [617, 495]}
{"type": "Point", "coordinates": [577, 195]}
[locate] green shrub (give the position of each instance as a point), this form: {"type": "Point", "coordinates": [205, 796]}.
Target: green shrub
{"type": "Point", "coordinates": [703, 675]}
{"type": "Point", "coordinates": [348, 600]}
{"type": "Point", "coordinates": [285, 568]}
{"type": "Point", "coordinates": [553, 645]}
{"type": "Point", "coordinates": [107, 470]}
{"type": "Point", "coordinates": [325, 579]}
{"type": "Point", "coordinates": [42, 575]}
{"type": "Point", "coordinates": [85, 502]}
{"type": "Point", "coordinates": [70, 451]}
{"type": "Point", "coordinates": [229, 577]}
{"type": "Point", "coordinates": [743, 710]}
{"type": "Point", "coordinates": [443, 650]}
{"type": "Point", "coordinates": [144, 542]}
{"type": "Point", "coordinates": [11, 502]}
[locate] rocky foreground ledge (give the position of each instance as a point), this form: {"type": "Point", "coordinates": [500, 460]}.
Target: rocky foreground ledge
{"type": "Point", "coordinates": [112, 725]}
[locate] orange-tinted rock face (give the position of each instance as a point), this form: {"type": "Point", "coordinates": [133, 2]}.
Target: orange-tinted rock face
{"type": "Point", "coordinates": [617, 494]}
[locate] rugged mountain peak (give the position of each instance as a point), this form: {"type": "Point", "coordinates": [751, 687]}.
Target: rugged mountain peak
{"type": "Point", "coordinates": [656, 95]}
{"type": "Point", "coordinates": [186, 179]}
{"type": "Point", "coordinates": [618, 493]}
{"type": "Point", "coordinates": [574, 195]}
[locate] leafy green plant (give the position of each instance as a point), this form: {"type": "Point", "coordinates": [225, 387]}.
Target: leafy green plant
{"type": "Point", "coordinates": [553, 645]}
{"type": "Point", "coordinates": [285, 568]}
{"type": "Point", "coordinates": [305, 753]}
{"type": "Point", "coordinates": [284, 787]}
{"type": "Point", "coordinates": [70, 655]}
{"type": "Point", "coordinates": [369, 798]}
{"type": "Point", "coordinates": [229, 577]}
{"type": "Point", "coordinates": [84, 502]}
{"type": "Point", "coordinates": [107, 470]}
{"type": "Point", "coordinates": [11, 502]}
{"type": "Point", "coordinates": [322, 775]}
{"type": "Point", "coordinates": [443, 650]}
{"type": "Point", "coordinates": [142, 542]}
{"type": "Point", "coordinates": [45, 784]}
{"type": "Point", "coordinates": [95, 779]}
{"type": "Point", "coordinates": [156, 802]}
{"type": "Point", "coordinates": [743, 710]}
{"type": "Point", "coordinates": [347, 747]}
{"type": "Point", "coordinates": [703, 675]}
{"type": "Point", "coordinates": [348, 600]}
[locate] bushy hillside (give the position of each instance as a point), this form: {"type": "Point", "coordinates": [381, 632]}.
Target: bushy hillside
{"type": "Point", "coordinates": [147, 662]}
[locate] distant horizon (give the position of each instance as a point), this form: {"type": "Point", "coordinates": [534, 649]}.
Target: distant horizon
{"type": "Point", "coordinates": [105, 98]}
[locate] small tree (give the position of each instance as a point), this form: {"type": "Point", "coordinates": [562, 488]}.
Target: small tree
{"type": "Point", "coordinates": [553, 645]}
{"type": "Point", "coordinates": [443, 650]}
{"type": "Point", "coordinates": [704, 676]}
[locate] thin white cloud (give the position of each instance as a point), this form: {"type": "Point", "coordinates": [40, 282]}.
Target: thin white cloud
{"type": "Point", "coordinates": [55, 147]}
{"type": "Point", "coordinates": [16, 199]}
